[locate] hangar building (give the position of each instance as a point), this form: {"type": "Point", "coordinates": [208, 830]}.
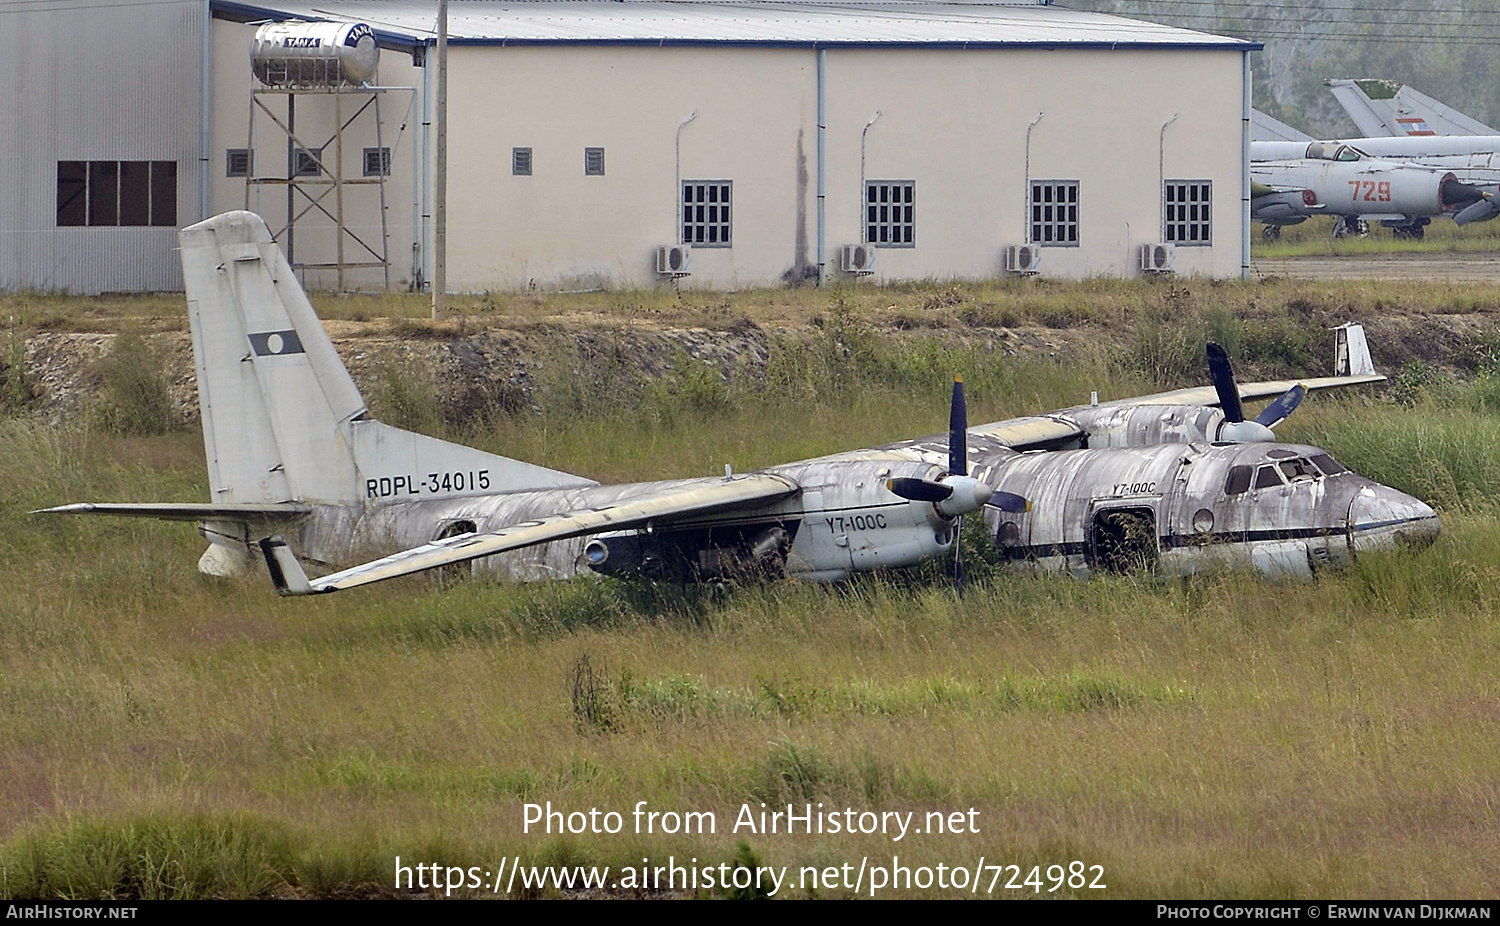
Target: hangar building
{"type": "Point", "coordinates": [776, 139]}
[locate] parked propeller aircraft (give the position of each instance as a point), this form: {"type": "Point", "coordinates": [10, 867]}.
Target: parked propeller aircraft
{"type": "Point", "coordinates": [1293, 180]}
{"type": "Point", "coordinates": [300, 471]}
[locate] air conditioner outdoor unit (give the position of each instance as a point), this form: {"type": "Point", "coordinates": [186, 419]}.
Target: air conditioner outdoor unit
{"type": "Point", "coordinates": [674, 260]}
{"type": "Point", "coordinates": [1025, 259]}
{"type": "Point", "coordinates": [1158, 257]}
{"type": "Point", "coordinates": [857, 259]}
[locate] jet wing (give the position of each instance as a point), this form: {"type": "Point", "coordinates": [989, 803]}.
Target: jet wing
{"type": "Point", "coordinates": [662, 506]}
{"type": "Point", "coordinates": [1205, 395]}
{"type": "Point", "coordinates": [171, 511]}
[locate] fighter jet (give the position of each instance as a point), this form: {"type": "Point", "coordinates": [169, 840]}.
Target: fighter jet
{"type": "Point", "coordinates": [302, 475]}
{"type": "Point", "coordinates": [1403, 129]}
{"type": "Point", "coordinates": [1293, 180]}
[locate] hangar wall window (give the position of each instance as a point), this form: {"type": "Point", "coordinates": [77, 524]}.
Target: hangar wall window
{"type": "Point", "coordinates": [239, 162]}
{"type": "Point", "coordinates": [1185, 208]}
{"type": "Point", "coordinates": [377, 162]}
{"type": "Point", "coordinates": [890, 213]}
{"type": "Point", "coordinates": [1054, 213]}
{"type": "Point", "coordinates": [520, 162]}
{"type": "Point", "coordinates": [132, 193]}
{"type": "Point", "coordinates": [705, 213]}
{"type": "Point", "coordinates": [593, 162]}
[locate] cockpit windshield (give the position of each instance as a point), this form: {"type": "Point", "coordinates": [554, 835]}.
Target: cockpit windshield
{"type": "Point", "coordinates": [1282, 467]}
{"type": "Point", "coordinates": [1329, 151]}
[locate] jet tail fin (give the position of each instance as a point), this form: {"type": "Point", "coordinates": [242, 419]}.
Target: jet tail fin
{"type": "Point", "coordinates": [1387, 108]}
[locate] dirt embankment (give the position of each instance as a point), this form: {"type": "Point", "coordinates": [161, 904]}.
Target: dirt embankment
{"type": "Point", "coordinates": [505, 365]}
{"type": "Point", "coordinates": [495, 365]}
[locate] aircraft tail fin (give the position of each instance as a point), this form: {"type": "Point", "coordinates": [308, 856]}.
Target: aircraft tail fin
{"type": "Point", "coordinates": [282, 419]}
{"type": "Point", "coordinates": [1383, 108]}
{"type": "Point", "coordinates": [1351, 354]}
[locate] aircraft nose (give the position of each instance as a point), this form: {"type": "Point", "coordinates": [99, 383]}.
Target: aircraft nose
{"type": "Point", "coordinates": [1380, 518]}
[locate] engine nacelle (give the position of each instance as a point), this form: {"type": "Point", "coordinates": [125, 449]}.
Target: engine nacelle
{"type": "Point", "coordinates": [1147, 425]}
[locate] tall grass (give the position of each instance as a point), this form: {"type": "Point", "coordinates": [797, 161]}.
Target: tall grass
{"type": "Point", "coordinates": [165, 735]}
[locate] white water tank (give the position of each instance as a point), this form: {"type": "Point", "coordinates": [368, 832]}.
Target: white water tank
{"type": "Point", "coordinates": [305, 54]}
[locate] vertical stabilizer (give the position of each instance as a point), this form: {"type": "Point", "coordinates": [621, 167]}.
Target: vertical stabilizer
{"type": "Point", "coordinates": [1382, 108]}
{"type": "Point", "coordinates": [1351, 354]}
{"type": "Point", "coordinates": [282, 419]}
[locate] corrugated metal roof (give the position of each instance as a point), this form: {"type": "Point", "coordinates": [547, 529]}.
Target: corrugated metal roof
{"type": "Point", "coordinates": [699, 22]}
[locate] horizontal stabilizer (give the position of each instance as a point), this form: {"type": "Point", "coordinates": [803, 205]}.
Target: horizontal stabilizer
{"type": "Point", "coordinates": [171, 511]}
{"type": "Point", "coordinates": [670, 504]}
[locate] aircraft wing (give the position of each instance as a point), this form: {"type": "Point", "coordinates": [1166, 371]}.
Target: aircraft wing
{"type": "Point", "coordinates": [1034, 432]}
{"type": "Point", "coordinates": [171, 511]}
{"type": "Point", "coordinates": [661, 506]}
{"type": "Point", "coordinates": [1205, 395]}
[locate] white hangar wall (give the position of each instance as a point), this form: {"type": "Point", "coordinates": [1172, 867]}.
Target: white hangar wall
{"type": "Point", "coordinates": [952, 122]}
{"type": "Point", "coordinates": [99, 83]}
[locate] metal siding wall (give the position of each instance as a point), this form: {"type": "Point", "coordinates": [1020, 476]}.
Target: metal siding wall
{"type": "Point", "coordinates": [95, 81]}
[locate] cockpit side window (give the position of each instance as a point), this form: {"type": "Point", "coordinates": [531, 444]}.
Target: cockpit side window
{"type": "Point", "coordinates": [1298, 469]}
{"type": "Point", "coordinates": [1267, 477]}
{"type": "Point", "coordinates": [1346, 153]}
{"type": "Point", "coordinates": [1329, 465]}
{"type": "Point", "coordinates": [1238, 482]}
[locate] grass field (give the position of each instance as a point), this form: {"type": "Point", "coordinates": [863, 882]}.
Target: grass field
{"type": "Point", "coordinates": [1314, 238]}
{"type": "Point", "coordinates": [165, 735]}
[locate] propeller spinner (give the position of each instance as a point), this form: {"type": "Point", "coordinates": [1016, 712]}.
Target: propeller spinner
{"type": "Point", "coordinates": [956, 493]}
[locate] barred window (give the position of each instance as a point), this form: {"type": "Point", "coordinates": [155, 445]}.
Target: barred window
{"type": "Point", "coordinates": [116, 193]}
{"type": "Point", "coordinates": [377, 162]}
{"type": "Point", "coordinates": [1185, 208]}
{"type": "Point", "coordinates": [1054, 213]}
{"type": "Point", "coordinates": [239, 162]}
{"type": "Point", "coordinates": [593, 162]}
{"type": "Point", "coordinates": [520, 162]}
{"type": "Point", "coordinates": [705, 213]}
{"type": "Point", "coordinates": [890, 213]}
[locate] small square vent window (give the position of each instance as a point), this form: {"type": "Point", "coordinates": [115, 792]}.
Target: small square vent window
{"type": "Point", "coordinates": [238, 162]}
{"type": "Point", "coordinates": [377, 162]}
{"type": "Point", "coordinates": [520, 162]}
{"type": "Point", "coordinates": [593, 162]}
{"type": "Point", "coordinates": [305, 164]}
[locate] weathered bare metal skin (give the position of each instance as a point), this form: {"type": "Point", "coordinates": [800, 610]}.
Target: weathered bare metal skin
{"type": "Point", "coordinates": [300, 473]}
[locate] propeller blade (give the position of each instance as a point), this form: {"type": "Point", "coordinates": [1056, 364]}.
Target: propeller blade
{"type": "Point", "coordinates": [1223, 378]}
{"type": "Point", "coordinates": [958, 431]}
{"type": "Point", "coordinates": [1010, 502]}
{"type": "Point", "coordinates": [919, 490]}
{"type": "Point", "coordinates": [1277, 411]}
{"type": "Point", "coordinates": [1482, 211]}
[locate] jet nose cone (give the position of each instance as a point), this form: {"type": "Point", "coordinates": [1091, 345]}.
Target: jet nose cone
{"type": "Point", "coordinates": [1380, 518]}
